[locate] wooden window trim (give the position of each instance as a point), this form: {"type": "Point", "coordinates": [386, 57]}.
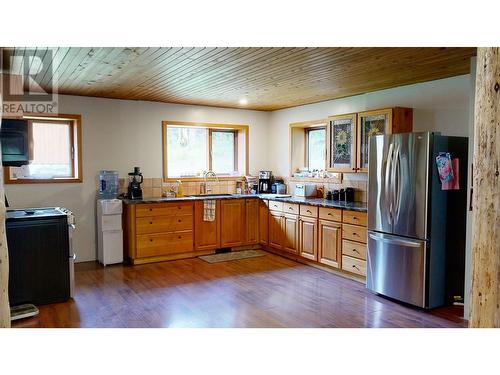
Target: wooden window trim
{"type": "Point", "coordinates": [237, 129]}
{"type": "Point", "coordinates": [76, 124]}
{"type": "Point", "coordinates": [303, 125]}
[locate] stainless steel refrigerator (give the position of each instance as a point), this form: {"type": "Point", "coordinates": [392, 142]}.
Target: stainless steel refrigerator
{"type": "Point", "coordinates": [416, 230]}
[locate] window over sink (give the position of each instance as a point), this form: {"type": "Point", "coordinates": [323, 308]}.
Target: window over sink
{"type": "Point", "coordinates": [190, 149]}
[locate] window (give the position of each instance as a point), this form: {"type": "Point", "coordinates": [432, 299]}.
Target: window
{"type": "Point", "coordinates": [190, 149]}
{"type": "Point", "coordinates": [316, 148]}
{"type": "Point", "coordinates": [54, 152]}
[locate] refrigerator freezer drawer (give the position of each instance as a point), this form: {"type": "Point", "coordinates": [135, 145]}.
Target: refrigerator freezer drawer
{"type": "Point", "coordinates": [396, 267]}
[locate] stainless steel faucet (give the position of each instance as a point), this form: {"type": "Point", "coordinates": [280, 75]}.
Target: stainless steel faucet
{"type": "Point", "coordinates": [204, 187]}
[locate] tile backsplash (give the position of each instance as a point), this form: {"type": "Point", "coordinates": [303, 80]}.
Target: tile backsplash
{"type": "Point", "coordinates": [155, 187]}
{"type": "Point", "coordinates": [358, 181]}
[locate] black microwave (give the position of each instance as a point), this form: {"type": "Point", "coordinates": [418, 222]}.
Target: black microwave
{"type": "Point", "coordinates": [14, 140]}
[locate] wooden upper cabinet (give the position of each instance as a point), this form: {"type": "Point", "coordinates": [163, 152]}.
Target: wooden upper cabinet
{"type": "Point", "coordinates": [382, 121]}
{"type": "Point", "coordinates": [341, 151]}
{"type": "Point", "coordinates": [233, 222]}
{"type": "Point", "coordinates": [252, 221]}
{"type": "Point", "coordinates": [263, 223]}
{"type": "Point", "coordinates": [308, 239]}
{"type": "Point", "coordinates": [207, 233]}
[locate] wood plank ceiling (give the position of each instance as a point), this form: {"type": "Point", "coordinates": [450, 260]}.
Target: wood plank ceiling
{"type": "Point", "coordinates": [267, 78]}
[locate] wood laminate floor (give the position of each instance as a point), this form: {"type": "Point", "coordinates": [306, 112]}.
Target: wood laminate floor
{"type": "Point", "coordinates": [268, 291]}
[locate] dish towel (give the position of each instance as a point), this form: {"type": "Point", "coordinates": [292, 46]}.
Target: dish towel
{"type": "Point", "coordinates": [209, 210]}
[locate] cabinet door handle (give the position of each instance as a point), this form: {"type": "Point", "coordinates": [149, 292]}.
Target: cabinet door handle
{"type": "Point", "coordinates": [356, 251]}
{"type": "Point", "coordinates": [308, 211]}
{"type": "Point", "coordinates": [330, 214]}
{"type": "Point", "coordinates": [354, 266]}
{"type": "Point", "coordinates": [355, 218]}
{"type": "Point", "coordinates": [290, 208]}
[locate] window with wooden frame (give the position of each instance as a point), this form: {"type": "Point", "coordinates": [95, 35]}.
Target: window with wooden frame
{"type": "Point", "coordinates": [308, 145]}
{"type": "Point", "coordinates": [189, 149]}
{"type": "Point", "coordinates": [55, 152]}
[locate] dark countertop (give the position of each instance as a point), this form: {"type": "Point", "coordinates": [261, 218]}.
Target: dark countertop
{"type": "Point", "coordinates": [320, 202]}
{"type": "Point", "coordinates": [354, 206]}
{"type": "Point", "coordinates": [188, 198]}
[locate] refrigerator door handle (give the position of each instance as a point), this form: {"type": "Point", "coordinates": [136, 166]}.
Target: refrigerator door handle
{"type": "Point", "coordinates": [394, 241]}
{"type": "Point", "coordinates": [388, 180]}
{"type": "Point", "coordinates": [397, 187]}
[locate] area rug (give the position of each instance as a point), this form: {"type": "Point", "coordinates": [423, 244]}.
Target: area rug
{"type": "Point", "coordinates": [236, 255]}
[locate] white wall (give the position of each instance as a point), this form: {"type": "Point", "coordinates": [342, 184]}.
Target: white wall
{"type": "Point", "coordinates": [441, 105]}
{"type": "Point", "coordinates": [118, 135]}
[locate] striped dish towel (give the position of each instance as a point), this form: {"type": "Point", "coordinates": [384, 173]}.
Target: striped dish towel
{"type": "Point", "coordinates": [209, 210]}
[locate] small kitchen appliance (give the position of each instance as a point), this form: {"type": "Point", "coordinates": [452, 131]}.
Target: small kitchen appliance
{"type": "Point", "coordinates": [349, 194]}
{"type": "Point", "coordinates": [265, 182]}
{"type": "Point", "coordinates": [134, 186]}
{"type": "Point", "coordinates": [305, 190]}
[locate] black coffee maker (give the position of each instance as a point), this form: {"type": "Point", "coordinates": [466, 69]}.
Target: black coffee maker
{"type": "Point", "coordinates": [134, 184]}
{"type": "Point", "coordinates": [265, 182]}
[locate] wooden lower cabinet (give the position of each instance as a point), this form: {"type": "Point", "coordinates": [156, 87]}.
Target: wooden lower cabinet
{"type": "Point", "coordinates": [207, 233]}
{"type": "Point", "coordinates": [252, 213]}
{"type": "Point", "coordinates": [275, 229]}
{"type": "Point", "coordinates": [308, 238]}
{"type": "Point", "coordinates": [153, 245]}
{"type": "Point", "coordinates": [330, 243]}
{"type": "Point", "coordinates": [263, 223]}
{"type": "Point", "coordinates": [233, 222]}
{"type": "Point", "coordinates": [290, 228]}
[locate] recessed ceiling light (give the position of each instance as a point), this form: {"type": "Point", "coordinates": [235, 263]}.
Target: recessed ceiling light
{"type": "Point", "coordinates": [243, 101]}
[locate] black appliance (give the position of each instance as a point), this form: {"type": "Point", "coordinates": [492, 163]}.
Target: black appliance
{"type": "Point", "coordinates": [134, 185]}
{"type": "Point", "coordinates": [265, 182]}
{"type": "Point", "coordinates": [277, 186]}
{"type": "Point", "coordinates": [349, 194]}
{"type": "Point", "coordinates": [38, 242]}
{"type": "Point", "coordinates": [14, 140]}
{"type": "Point", "coordinates": [335, 195]}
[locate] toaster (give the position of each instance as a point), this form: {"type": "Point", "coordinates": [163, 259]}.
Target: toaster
{"type": "Point", "coordinates": [305, 190]}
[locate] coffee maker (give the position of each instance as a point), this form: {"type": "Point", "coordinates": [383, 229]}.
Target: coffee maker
{"type": "Point", "coordinates": [265, 182]}
{"type": "Point", "coordinates": [134, 184]}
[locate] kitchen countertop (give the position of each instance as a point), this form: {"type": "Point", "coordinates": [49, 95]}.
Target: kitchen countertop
{"type": "Point", "coordinates": [354, 206]}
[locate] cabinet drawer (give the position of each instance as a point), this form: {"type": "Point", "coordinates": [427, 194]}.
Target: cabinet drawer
{"type": "Point", "coordinates": [355, 217]}
{"type": "Point", "coordinates": [354, 233]}
{"type": "Point", "coordinates": [159, 224]}
{"type": "Point", "coordinates": [354, 249]}
{"type": "Point", "coordinates": [310, 211]}
{"type": "Point", "coordinates": [275, 206]}
{"type": "Point", "coordinates": [149, 245]}
{"type": "Point", "coordinates": [291, 208]}
{"type": "Point", "coordinates": [354, 265]}
{"type": "Point", "coordinates": [334, 214]}
{"type": "Point", "coordinates": [160, 209]}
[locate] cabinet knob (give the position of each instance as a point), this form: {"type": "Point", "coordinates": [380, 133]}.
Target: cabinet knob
{"type": "Point", "coordinates": [150, 240]}
{"type": "Point", "coordinates": [150, 210]}
{"type": "Point", "coordinates": [354, 234]}
{"type": "Point", "coordinates": [179, 237]}
{"type": "Point", "coordinates": [354, 266]}
{"type": "Point", "coordinates": [330, 214]}
{"type": "Point", "coordinates": [355, 218]}
{"type": "Point", "coordinates": [179, 220]}
{"type": "Point", "coordinates": [150, 222]}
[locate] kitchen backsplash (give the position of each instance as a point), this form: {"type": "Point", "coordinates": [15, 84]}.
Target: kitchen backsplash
{"type": "Point", "coordinates": [153, 187]}
{"type": "Point", "coordinates": [358, 181]}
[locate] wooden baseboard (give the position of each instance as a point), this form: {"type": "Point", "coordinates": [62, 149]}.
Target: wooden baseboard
{"type": "Point", "coordinates": [164, 258]}
{"type": "Point", "coordinates": [320, 266]}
